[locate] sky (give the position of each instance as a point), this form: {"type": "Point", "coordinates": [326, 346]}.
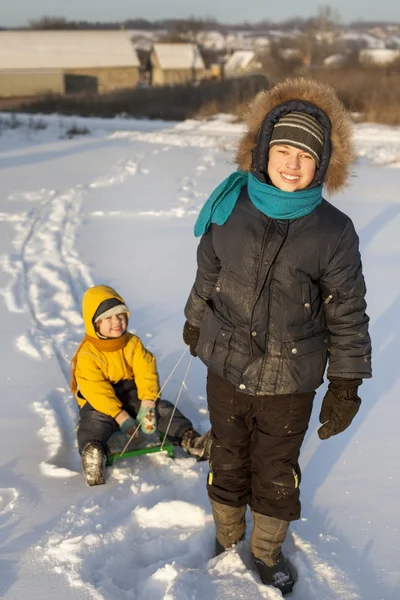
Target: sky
{"type": "Point", "coordinates": [21, 11]}
{"type": "Point", "coordinates": [117, 206]}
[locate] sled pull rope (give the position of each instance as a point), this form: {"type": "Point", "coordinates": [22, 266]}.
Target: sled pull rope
{"type": "Point", "coordinates": [158, 396]}
{"type": "Point", "coordinates": [176, 402]}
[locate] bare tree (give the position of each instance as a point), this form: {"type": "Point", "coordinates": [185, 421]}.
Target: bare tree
{"type": "Point", "coordinates": [327, 20]}
{"type": "Point", "coordinates": [317, 39]}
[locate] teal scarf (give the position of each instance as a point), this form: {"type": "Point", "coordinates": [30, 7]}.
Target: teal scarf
{"type": "Point", "coordinates": [270, 200]}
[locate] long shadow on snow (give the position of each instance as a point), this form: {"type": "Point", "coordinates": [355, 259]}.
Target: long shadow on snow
{"type": "Point", "coordinates": [385, 334]}
{"type": "Point", "coordinates": [50, 155]}
{"type": "Point", "coordinates": [65, 413]}
{"type": "Point", "coordinates": [9, 525]}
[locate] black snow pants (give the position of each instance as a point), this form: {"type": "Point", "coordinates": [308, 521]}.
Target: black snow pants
{"type": "Point", "coordinates": [255, 448]}
{"type": "Point", "coordinates": [96, 426]}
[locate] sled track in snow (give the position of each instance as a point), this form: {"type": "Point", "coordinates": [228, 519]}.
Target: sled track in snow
{"type": "Point", "coordinates": [49, 271]}
{"type": "Point", "coordinates": [47, 265]}
{"type": "Point", "coordinates": [52, 278]}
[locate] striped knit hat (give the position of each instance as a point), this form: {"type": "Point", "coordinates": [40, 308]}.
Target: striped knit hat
{"type": "Point", "coordinates": [301, 131]}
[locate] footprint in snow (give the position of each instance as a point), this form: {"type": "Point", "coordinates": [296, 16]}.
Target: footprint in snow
{"type": "Point", "coordinates": [8, 497]}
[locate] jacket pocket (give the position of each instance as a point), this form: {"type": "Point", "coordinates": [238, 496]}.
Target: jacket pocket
{"type": "Point", "coordinates": [213, 345]}
{"type": "Point", "coordinates": [298, 348]}
{"type": "Point", "coordinates": [304, 362]}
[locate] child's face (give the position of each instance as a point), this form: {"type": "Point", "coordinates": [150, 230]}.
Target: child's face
{"type": "Point", "coordinates": [113, 326]}
{"type": "Point", "coordinates": [289, 168]}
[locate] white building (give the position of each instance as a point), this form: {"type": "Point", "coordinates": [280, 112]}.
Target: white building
{"type": "Point", "coordinates": [38, 62]}
{"type": "Point", "coordinates": [176, 63]}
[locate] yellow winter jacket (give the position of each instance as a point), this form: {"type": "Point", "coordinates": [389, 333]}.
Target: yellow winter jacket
{"type": "Point", "coordinates": [98, 363]}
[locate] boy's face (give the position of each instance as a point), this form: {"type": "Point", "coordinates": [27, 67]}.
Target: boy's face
{"type": "Point", "coordinates": [289, 168]}
{"type": "Point", "coordinates": [112, 327]}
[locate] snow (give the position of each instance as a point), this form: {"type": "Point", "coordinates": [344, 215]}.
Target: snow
{"type": "Point", "coordinates": [211, 39]}
{"type": "Point", "coordinates": [381, 56]}
{"type": "Point", "coordinates": [370, 41]}
{"type": "Point", "coordinates": [117, 206]}
{"type": "Point", "coordinates": [238, 60]}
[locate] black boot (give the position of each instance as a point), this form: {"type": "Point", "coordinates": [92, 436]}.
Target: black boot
{"type": "Point", "coordinates": [93, 463]}
{"type": "Point", "coordinates": [278, 575]}
{"type": "Point", "coordinates": [230, 525]}
{"type": "Point", "coordinates": [197, 445]}
{"type": "Point", "coordinates": [267, 538]}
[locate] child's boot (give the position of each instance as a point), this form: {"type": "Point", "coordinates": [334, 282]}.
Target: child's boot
{"type": "Point", "coordinates": [197, 445]}
{"type": "Point", "coordinates": [266, 540]}
{"type": "Point", "coordinates": [230, 525]}
{"type": "Point", "coordinates": [93, 463]}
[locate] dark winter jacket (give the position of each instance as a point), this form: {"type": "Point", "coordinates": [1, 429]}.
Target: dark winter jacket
{"type": "Point", "coordinates": [274, 298]}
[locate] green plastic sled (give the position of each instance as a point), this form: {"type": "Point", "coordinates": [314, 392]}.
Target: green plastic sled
{"type": "Point", "coordinates": [136, 448]}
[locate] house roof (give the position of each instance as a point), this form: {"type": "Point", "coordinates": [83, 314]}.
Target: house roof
{"type": "Point", "coordinates": [66, 49]}
{"type": "Point", "coordinates": [379, 56]}
{"type": "Point", "coordinates": [239, 60]}
{"type": "Point", "coordinates": [334, 60]}
{"type": "Point", "coordinates": [178, 56]}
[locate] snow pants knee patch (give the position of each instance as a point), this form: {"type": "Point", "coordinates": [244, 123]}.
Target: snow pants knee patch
{"type": "Point", "coordinates": [228, 482]}
{"type": "Point", "coordinates": [281, 496]}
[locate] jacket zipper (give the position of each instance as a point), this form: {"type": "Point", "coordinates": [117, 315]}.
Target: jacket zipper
{"type": "Point", "coordinates": [256, 297]}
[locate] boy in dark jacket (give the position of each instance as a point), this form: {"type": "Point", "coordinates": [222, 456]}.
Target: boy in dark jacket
{"type": "Point", "coordinates": [115, 382]}
{"type": "Point", "coordinates": [279, 292]}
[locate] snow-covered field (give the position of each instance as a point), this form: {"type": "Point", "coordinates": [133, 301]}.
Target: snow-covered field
{"type": "Point", "coordinates": [117, 207]}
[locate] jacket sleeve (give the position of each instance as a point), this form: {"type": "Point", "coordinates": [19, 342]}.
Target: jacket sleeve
{"type": "Point", "coordinates": [94, 386]}
{"type": "Point", "coordinates": [343, 292]}
{"type": "Point", "coordinates": [208, 268]}
{"type": "Point", "coordinates": [144, 368]}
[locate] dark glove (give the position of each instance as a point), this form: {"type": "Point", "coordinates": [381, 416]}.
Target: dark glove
{"type": "Point", "coordinates": [126, 424]}
{"type": "Point", "coordinates": [191, 335]}
{"type": "Point", "coordinates": [339, 407]}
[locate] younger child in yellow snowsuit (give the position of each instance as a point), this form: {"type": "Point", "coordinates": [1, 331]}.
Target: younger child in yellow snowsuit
{"type": "Point", "coordinates": [115, 382]}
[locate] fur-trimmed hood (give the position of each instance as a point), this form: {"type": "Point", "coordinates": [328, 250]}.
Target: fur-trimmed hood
{"type": "Point", "coordinates": [339, 152]}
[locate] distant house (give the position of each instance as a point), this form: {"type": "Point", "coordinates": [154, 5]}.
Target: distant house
{"type": "Point", "coordinates": [334, 61]}
{"type": "Point", "coordinates": [212, 40]}
{"type": "Point", "coordinates": [62, 62]}
{"type": "Point", "coordinates": [290, 53]}
{"type": "Point", "coordinates": [378, 56]}
{"type": "Point", "coordinates": [240, 62]}
{"type": "Point", "coordinates": [170, 64]}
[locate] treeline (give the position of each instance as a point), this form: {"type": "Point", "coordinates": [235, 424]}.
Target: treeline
{"type": "Point", "coordinates": [191, 24]}
{"type": "Point", "coordinates": [328, 16]}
